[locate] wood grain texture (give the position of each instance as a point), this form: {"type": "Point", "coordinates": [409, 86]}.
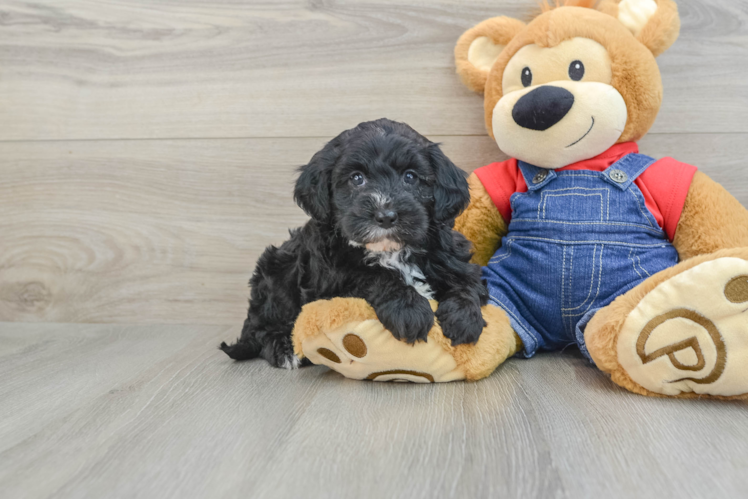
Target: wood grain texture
{"type": "Point", "coordinates": [147, 156]}
{"type": "Point", "coordinates": [111, 69]}
{"type": "Point", "coordinates": [169, 231]}
{"type": "Point", "coordinates": [157, 411]}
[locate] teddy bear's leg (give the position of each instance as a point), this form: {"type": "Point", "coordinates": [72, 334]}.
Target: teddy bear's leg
{"type": "Point", "coordinates": [683, 332]}
{"type": "Point", "coordinates": [345, 335]}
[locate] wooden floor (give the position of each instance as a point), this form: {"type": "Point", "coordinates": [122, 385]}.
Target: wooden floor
{"type": "Point", "coordinates": [144, 411]}
{"type": "Point", "coordinates": [147, 155]}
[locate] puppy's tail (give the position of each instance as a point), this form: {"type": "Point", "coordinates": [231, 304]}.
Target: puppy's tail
{"type": "Point", "coordinates": [242, 349]}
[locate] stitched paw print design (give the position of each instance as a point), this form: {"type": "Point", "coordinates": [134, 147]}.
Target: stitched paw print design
{"type": "Point", "coordinates": [689, 333]}
{"type": "Point", "coordinates": [345, 335]}
{"type": "Point", "coordinates": [363, 350]}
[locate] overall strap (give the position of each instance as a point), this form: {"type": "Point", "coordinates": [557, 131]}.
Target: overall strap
{"type": "Point", "coordinates": [625, 171]}
{"type": "Point", "coordinates": [535, 177]}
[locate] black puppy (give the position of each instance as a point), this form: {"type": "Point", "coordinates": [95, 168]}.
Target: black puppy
{"type": "Point", "coordinates": [382, 200]}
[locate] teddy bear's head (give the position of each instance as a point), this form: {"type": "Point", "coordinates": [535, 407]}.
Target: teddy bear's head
{"type": "Point", "coordinates": [574, 81]}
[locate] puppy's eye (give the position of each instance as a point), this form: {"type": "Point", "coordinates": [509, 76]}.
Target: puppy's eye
{"type": "Point", "coordinates": [410, 177]}
{"type": "Point", "coordinates": [358, 179]}
{"type": "Point", "coordinates": [576, 71]}
{"type": "Point", "coordinates": [526, 77]}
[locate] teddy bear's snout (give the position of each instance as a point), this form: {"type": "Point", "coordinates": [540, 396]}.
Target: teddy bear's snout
{"type": "Point", "coordinates": [542, 108]}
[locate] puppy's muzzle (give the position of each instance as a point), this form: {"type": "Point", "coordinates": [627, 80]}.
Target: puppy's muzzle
{"type": "Point", "coordinates": [385, 218]}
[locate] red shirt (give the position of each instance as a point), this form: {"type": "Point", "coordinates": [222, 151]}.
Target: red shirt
{"type": "Point", "coordinates": [664, 184]}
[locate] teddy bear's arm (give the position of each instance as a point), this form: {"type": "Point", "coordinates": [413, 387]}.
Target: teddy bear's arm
{"type": "Point", "coordinates": [481, 223]}
{"type": "Point", "coordinates": [712, 219]}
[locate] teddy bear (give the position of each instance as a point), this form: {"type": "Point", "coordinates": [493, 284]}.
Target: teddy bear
{"type": "Point", "coordinates": [640, 262]}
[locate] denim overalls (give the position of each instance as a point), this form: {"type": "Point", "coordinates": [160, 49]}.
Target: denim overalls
{"type": "Point", "coordinates": [577, 240]}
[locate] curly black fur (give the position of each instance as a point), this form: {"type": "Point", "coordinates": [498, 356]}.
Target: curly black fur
{"type": "Point", "coordinates": [379, 181]}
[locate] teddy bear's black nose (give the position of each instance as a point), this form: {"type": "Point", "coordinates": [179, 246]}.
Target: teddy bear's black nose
{"type": "Point", "coordinates": [543, 107]}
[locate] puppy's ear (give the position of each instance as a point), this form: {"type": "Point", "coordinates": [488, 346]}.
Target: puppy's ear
{"type": "Point", "coordinates": [451, 193]}
{"type": "Point", "coordinates": [314, 185]}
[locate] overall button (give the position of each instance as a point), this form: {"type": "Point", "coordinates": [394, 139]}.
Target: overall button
{"type": "Point", "coordinates": [540, 177]}
{"type": "Point", "coordinates": [618, 175]}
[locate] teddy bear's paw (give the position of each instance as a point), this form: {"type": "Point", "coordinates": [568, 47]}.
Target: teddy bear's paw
{"type": "Point", "coordinates": [365, 350]}
{"type": "Point", "coordinates": [690, 333]}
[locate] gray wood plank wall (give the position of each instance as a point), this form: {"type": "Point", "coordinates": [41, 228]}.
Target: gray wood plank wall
{"type": "Point", "coordinates": [148, 149]}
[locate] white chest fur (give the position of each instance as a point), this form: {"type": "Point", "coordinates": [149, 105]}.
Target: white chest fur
{"type": "Point", "coordinates": [412, 274]}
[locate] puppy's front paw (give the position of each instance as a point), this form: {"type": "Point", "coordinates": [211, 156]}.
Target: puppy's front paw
{"type": "Point", "coordinates": [461, 321]}
{"type": "Point", "coordinates": [409, 320]}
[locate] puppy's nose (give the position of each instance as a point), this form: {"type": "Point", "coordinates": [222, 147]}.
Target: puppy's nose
{"type": "Point", "coordinates": [385, 218]}
{"type": "Point", "coordinates": [542, 108]}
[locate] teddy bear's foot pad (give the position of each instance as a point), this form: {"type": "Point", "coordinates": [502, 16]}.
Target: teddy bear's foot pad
{"type": "Point", "coordinates": [690, 333]}
{"type": "Point", "coordinates": [365, 350]}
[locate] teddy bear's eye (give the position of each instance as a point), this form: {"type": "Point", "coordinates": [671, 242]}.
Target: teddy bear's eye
{"type": "Point", "coordinates": [576, 71]}
{"type": "Point", "coordinates": [526, 77]}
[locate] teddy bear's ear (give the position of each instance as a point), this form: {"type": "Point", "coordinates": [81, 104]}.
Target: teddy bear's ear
{"type": "Point", "coordinates": [655, 23]}
{"type": "Point", "coordinates": [480, 46]}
